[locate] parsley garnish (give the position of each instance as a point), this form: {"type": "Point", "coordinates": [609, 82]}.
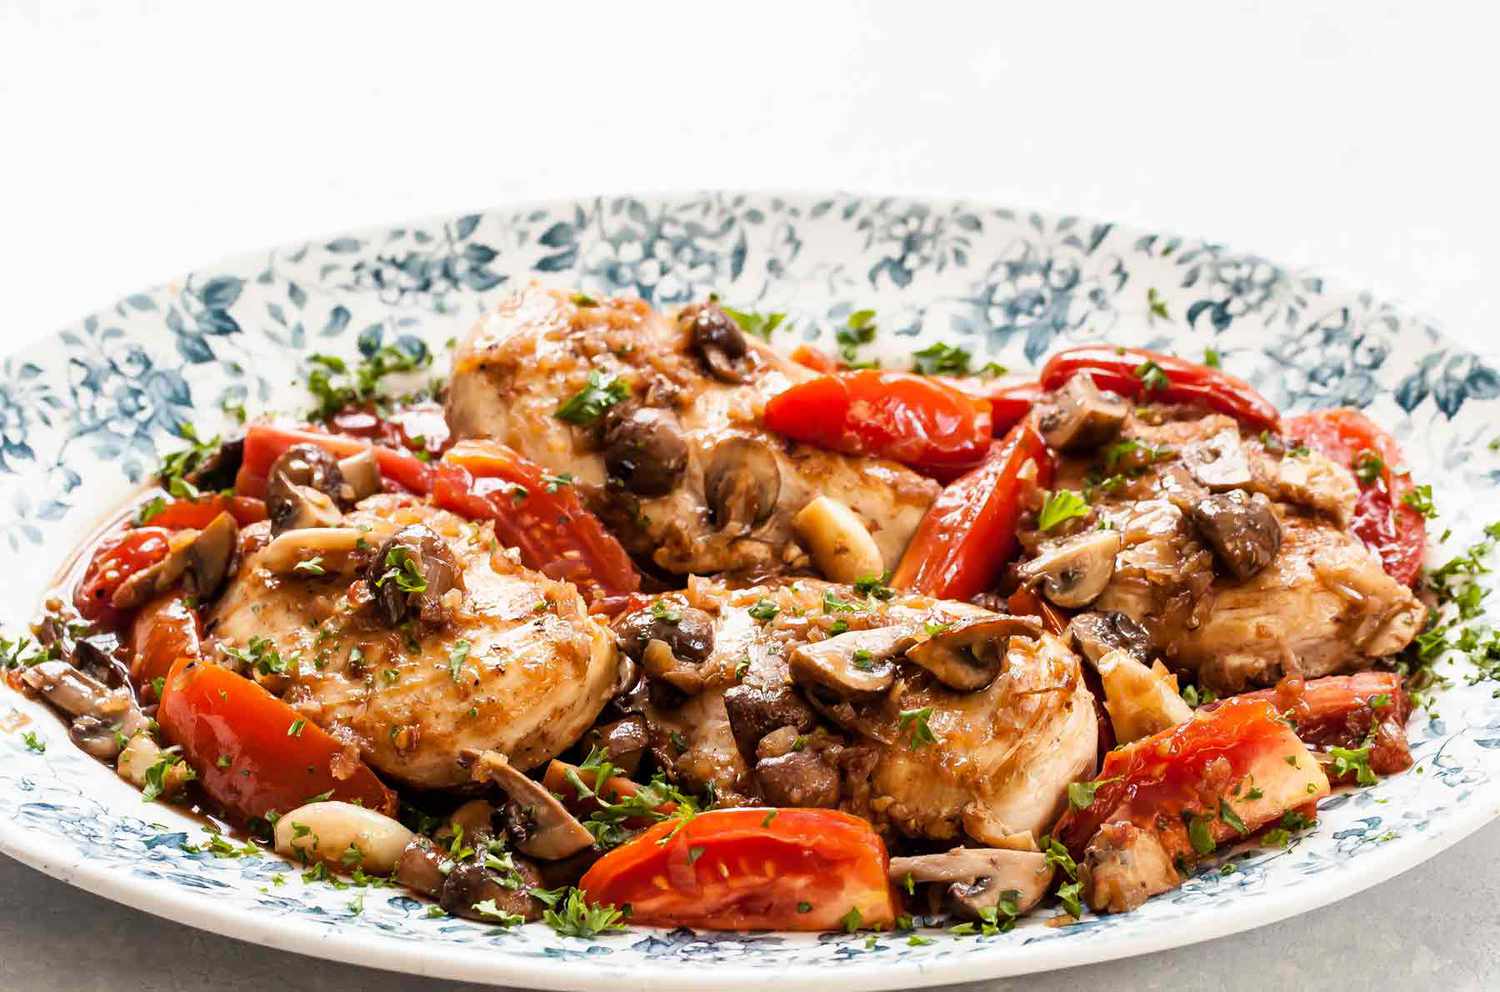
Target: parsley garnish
{"type": "Point", "coordinates": [1060, 505]}
{"type": "Point", "coordinates": [457, 655]}
{"type": "Point", "coordinates": [1081, 794]}
{"type": "Point", "coordinates": [335, 386]}
{"type": "Point", "coordinates": [487, 909]}
{"type": "Point", "coordinates": [1367, 466]}
{"type": "Point", "coordinates": [312, 566]}
{"type": "Point", "coordinates": [875, 586]}
{"type": "Point", "coordinates": [150, 509]}
{"type": "Point", "coordinates": [1211, 358]}
{"type": "Point", "coordinates": [759, 324]}
{"type": "Point", "coordinates": [176, 466]}
{"type": "Point", "coordinates": [1152, 377]}
{"type": "Point", "coordinates": [1356, 760]}
{"type": "Point", "coordinates": [1229, 816]}
{"type": "Point", "coordinates": [156, 775]}
{"type": "Point", "coordinates": [589, 403]}
{"type": "Point", "coordinates": [833, 604]}
{"type": "Point", "coordinates": [921, 733]}
{"type": "Point", "coordinates": [859, 329]}
{"type": "Point", "coordinates": [1419, 498]}
{"type": "Point", "coordinates": [940, 359]}
{"type": "Point", "coordinates": [576, 917]}
{"type": "Point", "coordinates": [556, 482]}
{"type": "Point", "coordinates": [297, 725]}
{"type": "Point", "coordinates": [402, 568]}
{"type": "Point", "coordinates": [852, 920]}
{"type": "Point", "coordinates": [33, 742]}
{"type": "Point", "coordinates": [764, 610]}
{"type": "Point", "coordinates": [1069, 895]}
{"type": "Point", "coordinates": [1200, 835]}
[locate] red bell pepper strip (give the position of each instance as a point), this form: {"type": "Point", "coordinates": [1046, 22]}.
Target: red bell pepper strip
{"type": "Point", "coordinates": [1010, 404]}
{"type": "Point", "coordinates": [908, 418]}
{"type": "Point", "coordinates": [1383, 520]}
{"type": "Point", "coordinates": [969, 533]}
{"type": "Point", "coordinates": [1151, 375]}
{"type": "Point", "coordinates": [253, 753]}
{"type": "Point", "coordinates": [196, 514]}
{"type": "Point", "coordinates": [485, 480]}
{"type": "Point", "coordinates": [264, 443]}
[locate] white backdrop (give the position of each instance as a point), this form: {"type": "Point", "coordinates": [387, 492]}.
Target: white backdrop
{"type": "Point", "coordinates": [138, 140]}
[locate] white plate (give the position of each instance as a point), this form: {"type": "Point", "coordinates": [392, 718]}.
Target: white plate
{"type": "Point", "coordinates": [82, 417]}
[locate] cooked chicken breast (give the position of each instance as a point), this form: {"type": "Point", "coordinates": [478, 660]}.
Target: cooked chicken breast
{"type": "Point", "coordinates": [665, 439]}
{"type": "Point", "coordinates": [501, 659]}
{"type": "Point", "coordinates": [1233, 553]}
{"type": "Point", "coordinates": [895, 743]}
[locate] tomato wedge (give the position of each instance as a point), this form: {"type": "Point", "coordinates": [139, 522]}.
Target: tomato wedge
{"type": "Point", "coordinates": [116, 559]}
{"type": "Point", "coordinates": [913, 419]}
{"type": "Point", "coordinates": [164, 630]}
{"type": "Point", "coordinates": [485, 480]}
{"type": "Point", "coordinates": [253, 753]}
{"type": "Point", "coordinates": [1382, 519]}
{"type": "Point", "coordinates": [750, 869]}
{"type": "Point", "coordinates": [1342, 710]}
{"type": "Point", "coordinates": [1133, 372]}
{"type": "Point", "coordinates": [1010, 404]}
{"type": "Point", "coordinates": [196, 514]}
{"type": "Point", "coordinates": [264, 443]}
{"type": "Point", "coordinates": [969, 533]}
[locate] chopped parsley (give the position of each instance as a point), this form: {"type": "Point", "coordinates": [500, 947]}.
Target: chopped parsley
{"type": "Point", "coordinates": [457, 655]}
{"type": "Point", "coordinates": [764, 610]}
{"type": "Point", "coordinates": [852, 920]}
{"type": "Point", "coordinates": [663, 612]}
{"type": "Point", "coordinates": [1211, 358]}
{"type": "Point", "coordinates": [589, 403]}
{"type": "Point", "coordinates": [296, 728]}
{"type": "Point", "coordinates": [556, 482]}
{"type": "Point", "coordinates": [858, 330]}
{"type": "Point", "coordinates": [1070, 895]}
{"type": "Point", "coordinates": [1200, 834]}
{"type": "Point", "coordinates": [1367, 466]}
{"type": "Point", "coordinates": [581, 300]}
{"type": "Point", "coordinates": [336, 386]}
{"type": "Point", "coordinates": [261, 655]}
{"type": "Point", "coordinates": [571, 914]}
{"type": "Point", "coordinates": [759, 324]}
{"type": "Point", "coordinates": [176, 466]}
{"type": "Point", "coordinates": [941, 359]}
{"type": "Point", "coordinates": [1061, 505]}
{"type": "Point", "coordinates": [33, 742]}
{"type": "Point", "coordinates": [149, 509]}
{"type": "Point", "coordinates": [493, 913]}
{"type": "Point", "coordinates": [1229, 816]}
{"type": "Point", "coordinates": [1355, 760]}
{"type": "Point", "coordinates": [1152, 377]}
{"type": "Point", "coordinates": [312, 566]}
{"type": "Point", "coordinates": [402, 569]}
{"type": "Point", "coordinates": [833, 604]}
{"type": "Point", "coordinates": [875, 586]}
{"type": "Point", "coordinates": [156, 775]}
{"type": "Point", "coordinates": [1419, 498]}
{"type": "Point", "coordinates": [1081, 794]}
{"type": "Point", "coordinates": [916, 721]}
{"type": "Point", "coordinates": [1156, 306]}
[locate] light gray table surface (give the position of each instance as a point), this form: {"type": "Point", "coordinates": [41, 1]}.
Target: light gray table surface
{"type": "Point", "coordinates": [142, 138]}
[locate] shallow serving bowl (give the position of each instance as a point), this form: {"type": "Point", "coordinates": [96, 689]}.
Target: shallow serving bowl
{"type": "Point", "coordinates": [84, 413]}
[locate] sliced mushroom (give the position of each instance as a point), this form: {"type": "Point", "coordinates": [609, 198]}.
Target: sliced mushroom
{"type": "Point", "coordinates": [77, 694]}
{"type": "Point", "coordinates": [95, 737]}
{"type": "Point", "coordinates": [471, 884]}
{"type": "Point", "coordinates": [361, 472]}
{"type": "Point", "coordinates": [661, 665]}
{"type": "Point", "coordinates": [853, 665]}
{"type": "Point", "coordinates": [1075, 571]}
{"type": "Point", "coordinates": [718, 341]}
{"type": "Point", "coordinates": [741, 482]}
{"type": "Point", "coordinates": [798, 778]}
{"type": "Point", "coordinates": [967, 655]}
{"type": "Point", "coordinates": [756, 710]}
{"type": "Point", "coordinates": [688, 631]}
{"type": "Point", "coordinates": [218, 470]}
{"type": "Point", "coordinates": [340, 833]}
{"type": "Point", "coordinates": [411, 573]}
{"type": "Point", "coordinates": [644, 449]}
{"type": "Point", "coordinates": [209, 555]}
{"type": "Point", "coordinates": [422, 867]}
{"type": "Point", "coordinates": [979, 877]}
{"type": "Point", "coordinates": [334, 547]}
{"type": "Point", "coordinates": [1219, 462]}
{"type": "Point", "coordinates": [624, 742]}
{"type": "Point", "coordinates": [1080, 415]}
{"type": "Point", "coordinates": [838, 540]}
{"type": "Point", "coordinates": [1241, 529]}
{"type": "Point", "coordinates": [305, 488]}
{"type": "Point", "coordinates": [539, 824]}
{"type": "Point", "coordinates": [1096, 634]}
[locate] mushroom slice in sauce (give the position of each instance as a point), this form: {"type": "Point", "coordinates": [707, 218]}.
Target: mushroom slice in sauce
{"type": "Point", "coordinates": [1094, 635]}
{"type": "Point", "coordinates": [411, 573]}
{"type": "Point", "coordinates": [979, 877]}
{"type": "Point", "coordinates": [741, 482]}
{"type": "Point", "coordinates": [1075, 571]}
{"type": "Point", "coordinates": [333, 546]}
{"type": "Point", "coordinates": [967, 654]}
{"type": "Point", "coordinates": [361, 472]}
{"type": "Point", "coordinates": [1081, 416]}
{"type": "Point", "coordinates": [200, 559]}
{"type": "Point", "coordinates": [540, 825]}
{"type": "Point", "coordinates": [718, 341]}
{"type": "Point", "coordinates": [1219, 462]}
{"type": "Point", "coordinates": [853, 665]}
{"type": "Point", "coordinates": [644, 449]}
{"type": "Point", "coordinates": [305, 488]}
{"type": "Point", "coordinates": [1242, 530]}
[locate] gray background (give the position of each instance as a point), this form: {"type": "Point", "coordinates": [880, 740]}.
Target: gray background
{"type": "Point", "coordinates": [142, 139]}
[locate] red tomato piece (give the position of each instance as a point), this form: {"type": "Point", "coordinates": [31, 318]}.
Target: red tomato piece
{"type": "Point", "coordinates": [164, 630]}
{"type": "Point", "coordinates": [750, 869]}
{"type": "Point", "coordinates": [969, 533]}
{"type": "Point", "coordinates": [1126, 371]}
{"type": "Point", "coordinates": [116, 559]}
{"type": "Point", "coordinates": [818, 361]}
{"type": "Point", "coordinates": [253, 753]}
{"type": "Point", "coordinates": [264, 443]}
{"type": "Point", "coordinates": [1341, 710]}
{"type": "Point", "coordinates": [913, 419]}
{"type": "Point", "coordinates": [556, 535]}
{"type": "Point", "coordinates": [1382, 519]}
{"type": "Point", "coordinates": [1010, 404]}
{"type": "Point", "coordinates": [196, 514]}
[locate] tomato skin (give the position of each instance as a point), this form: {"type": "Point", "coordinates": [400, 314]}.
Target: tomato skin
{"type": "Point", "coordinates": [264, 443]}
{"type": "Point", "coordinates": [553, 531]}
{"type": "Point", "coordinates": [116, 559]}
{"type": "Point", "coordinates": [1114, 369]}
{"type": "Point", "coordinates": [164, 630]}
{"type": "Point", "coordinates": [1339, 711]}
{"type": "Point", "coordinates": [1382, 520]}
{"type": "Point", "coordinates": [1010, 404]}
{"type": "Point", "coordinates": [813, 358]}
{"type": "Point", "coordinates": [750, 871]}
{"type": "Point", "coordinates": [196, 514]}
{"type": "Point", "coordinates": [215, 713]}
{"type": "Point", "coordinates": [969, 533]}
{"type": "Point", "coordinates": [913, 419]}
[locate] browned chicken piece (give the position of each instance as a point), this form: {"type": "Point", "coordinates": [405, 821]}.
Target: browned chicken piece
{"type": "Point", "coordinates": [666, 445]}
{"type": "Point", "coordinates": [485, 655]}
{"type": "Point", "coordinates": [1232, 553]}
{"type": "Point", "coordinates": [932, 719]}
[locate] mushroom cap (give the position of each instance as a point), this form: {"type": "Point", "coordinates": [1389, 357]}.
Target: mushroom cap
{"type": "Point", "coordinates": [549, 832]}
{"type": "Point", "coordinates": [852, 665]}
{"type": "Point", "coordinates": [967, 655]}
{"type": "Point", "coordinates": [1073, 572]}
{"type": "Point", "coordinates": [1080, 415]}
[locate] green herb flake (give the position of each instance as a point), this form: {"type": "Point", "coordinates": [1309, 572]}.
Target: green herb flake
{"type": "Point", "coordinates": [1061, 505]}
{"type": "Point", "coordinates": [33, 742]}
{"type": "Point", "coordinates": [916, 721]}
{"type": "Point", "coordinates": [589, 403]}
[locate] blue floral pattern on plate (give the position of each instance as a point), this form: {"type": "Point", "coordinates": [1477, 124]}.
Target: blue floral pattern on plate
{"type": "Point", "coordinates": [84, 415]}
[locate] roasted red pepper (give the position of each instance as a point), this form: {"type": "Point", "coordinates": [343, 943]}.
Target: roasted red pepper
{"type": "Point", "coordinates": [264, 443]}
{"type": "Point", "coordinates": [1151, 375]}
{"type": "Point", "coordinates": [1383, 519]}
{"type": "Point", "coordinates": [908, 418]}
{"type": "Point", "coordinates": [116, 559]}
{"type": "Point", "coordinates": [1349, 711]}
{"type": "Point", "coordinates": [969, 533]}
{"type": "Point", "coordinates": [196, 514]}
